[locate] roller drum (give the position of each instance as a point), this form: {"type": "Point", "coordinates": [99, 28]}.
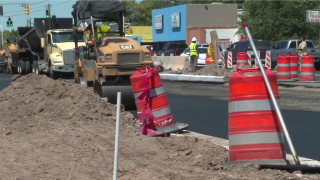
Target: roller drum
{"type": "Point", "coordinates": [110, 92]}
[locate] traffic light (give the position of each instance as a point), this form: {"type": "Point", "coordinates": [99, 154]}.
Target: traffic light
{"type": "Point", "coordinates": [1, 11]}
{"type": "Point", "coordinates": [9, 23]}
{"type": "Point", "coordinates": [26, 9]}
{"type": "Point", "coordinates": [47, 13]}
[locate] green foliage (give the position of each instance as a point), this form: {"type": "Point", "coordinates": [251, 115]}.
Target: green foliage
{"type": "Point", "coordinates": [6, 34]}
{"type": "Point", "coordinates": [278, 20]}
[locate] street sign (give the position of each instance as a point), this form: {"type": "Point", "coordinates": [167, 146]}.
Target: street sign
{"type": "Point", "coordinates": [312, 16]}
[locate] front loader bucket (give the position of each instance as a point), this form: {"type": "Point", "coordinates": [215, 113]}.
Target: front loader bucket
{"type": "Point", "coordinates": [110, 91]}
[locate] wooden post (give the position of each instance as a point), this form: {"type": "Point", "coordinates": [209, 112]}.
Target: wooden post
{"type": "Point", "coordinates": [215, 44]}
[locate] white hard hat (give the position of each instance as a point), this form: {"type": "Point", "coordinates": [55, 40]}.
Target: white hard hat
{"type": "Point", "coordinates": [194, 39]}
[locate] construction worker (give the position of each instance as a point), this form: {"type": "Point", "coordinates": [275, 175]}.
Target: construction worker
{"type": "Point", "coordinates": [193, 54]}
{"type": "Point", "coordinates": [302, 49]}
{"type": "Point", "coordinates": [99, 30]}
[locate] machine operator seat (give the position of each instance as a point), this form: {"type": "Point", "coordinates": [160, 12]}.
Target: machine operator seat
{"type": "Point", "coordinates": [100, 39]}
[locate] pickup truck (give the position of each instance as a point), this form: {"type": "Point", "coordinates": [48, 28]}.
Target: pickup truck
{"type": "Point", "coordinates": [289, 47]}
{"type": "Point", "coordinates": [174, 49]}
{"type": "Point", "coordinates": [244, 46]}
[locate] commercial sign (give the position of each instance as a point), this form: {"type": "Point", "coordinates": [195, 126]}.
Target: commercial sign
{"type": "Point", "coordinates": [175, 20]}
{"type": "Point", "coordinates": [313, 16]}
{"type": "Point", "coordinates": [158, 22]}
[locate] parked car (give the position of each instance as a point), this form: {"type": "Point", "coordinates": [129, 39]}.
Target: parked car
{"type": "Point", "coordinates": [203, 45]}
{"type": "Point", "coordinates": [150, 48]}
{"type": "Point", "coordinates": [244, 46]}
{"type": "Point", "coordinates": [172, 49]}
{"type": "Point", "coordinates": [201, 57]}
{"type": "Point", "coordinates": [289, 47]}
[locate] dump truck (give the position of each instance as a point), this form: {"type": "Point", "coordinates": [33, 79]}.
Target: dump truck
{"type": "Point", "coordinates": [7, 62]}
{"type": "Point", "coordinates": [46, 48]}
{"type": "Point", "coordinates": [107, 66]}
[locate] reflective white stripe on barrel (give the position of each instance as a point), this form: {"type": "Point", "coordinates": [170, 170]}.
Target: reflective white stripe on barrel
{"type": "Point", "coordinates": [306, 73]}
{"type": "Point", "coordinates": [293, 64]}
{"type": "Point", "coordinates": [251, 105]}
{"type": "Point", "coordinates": [160, 112]}
{"type": "Point", "coordinates": [294, 72]}
{"type": "Point", "coordinates": [242, 61]}
{"type": "Point", "coordinates": [256, 138]}
{"type": "Point", "coordinates": [153, 92]}
{"type": "Point", "coordinates": [283, 73]}
{"type": "Point", "coordinates": [307, 65]}
{"type": "Point", "coordinates": [283, 65]}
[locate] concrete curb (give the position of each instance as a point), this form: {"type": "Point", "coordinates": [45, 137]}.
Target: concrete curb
{"type": "Point", "coordinates": [193, 78]}
{"type": "Point", "coordinates": [300, 83]}
{"type": "Point", "coordinates": [225, 143]}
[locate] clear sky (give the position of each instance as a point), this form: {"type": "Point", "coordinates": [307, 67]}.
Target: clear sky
{"type": "Point", "coordinates": [37, 9]}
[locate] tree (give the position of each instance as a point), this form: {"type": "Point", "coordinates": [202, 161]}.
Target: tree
{"type": "Point", "coordinates": [278, 20]}
{"type": "Point", "coordinates": [6, 34]}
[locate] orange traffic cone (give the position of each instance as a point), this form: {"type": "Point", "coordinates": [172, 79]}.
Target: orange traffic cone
{"type": "Point", "coordinates": [207, 59]}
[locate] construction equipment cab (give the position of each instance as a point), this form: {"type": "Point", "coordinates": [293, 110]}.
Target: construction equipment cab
{"type": "Point", "coordinates": [109, 63]}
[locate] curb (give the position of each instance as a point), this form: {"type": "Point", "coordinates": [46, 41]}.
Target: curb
{"type": "Point", "coordinates": [225, 143]}
{"type": "Point", "coordinates": [306, 84]}
{"type": "Point", "coordinates": [193, 78]}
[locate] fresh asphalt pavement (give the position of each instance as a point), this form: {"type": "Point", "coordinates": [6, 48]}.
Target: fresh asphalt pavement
{"type": "Point", "coordinates": [204, 107]}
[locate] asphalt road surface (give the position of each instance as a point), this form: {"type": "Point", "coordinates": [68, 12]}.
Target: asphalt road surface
{"type": "Point", "coordinates": [205, 109]}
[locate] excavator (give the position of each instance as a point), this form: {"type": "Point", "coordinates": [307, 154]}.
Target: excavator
{"type": "Point", "coordinates": [107, 66]}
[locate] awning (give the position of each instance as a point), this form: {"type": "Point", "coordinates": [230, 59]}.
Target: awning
{"type": "Point", "coordinates": [144, 31]}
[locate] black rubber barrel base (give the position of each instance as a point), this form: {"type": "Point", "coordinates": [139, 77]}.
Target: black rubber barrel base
{"type": "Point", "coordinates": [178, 127]}
{"type": "Point", "coordinates": [280, 165]}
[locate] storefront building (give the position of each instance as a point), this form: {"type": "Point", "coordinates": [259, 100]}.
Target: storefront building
{"type": "Point", "coordinates": [181, 23]}
{"type": "Point", "coordinates": [145, 32]}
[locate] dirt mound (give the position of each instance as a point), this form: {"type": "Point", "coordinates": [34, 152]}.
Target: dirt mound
{"type": "Point", "coordinates": [59, 130]}
{"type": "Point", "coordinates": [212, 70]}
{"type": "Point", "coordinates": [209, 70]}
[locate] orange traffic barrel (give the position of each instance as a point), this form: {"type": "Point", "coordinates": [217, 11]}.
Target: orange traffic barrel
{"type": "Point", "coordinates": [293, 65]}
{"type": "Point", "coordinates": [254, 129]}
{"type": "Point", "coordinates": [242, 58]}
{"type": "Point", "coordinates": [152, 105]}
{"type": "Point", "coordinates": [307, 68]}
{"type": "Point", "coordinates": [283, 67]}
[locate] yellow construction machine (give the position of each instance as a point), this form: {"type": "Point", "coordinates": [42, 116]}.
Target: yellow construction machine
{"type": "Point", "coordinates": [10, 57]}
{"type": "Point", "coordinates": [108, 65]}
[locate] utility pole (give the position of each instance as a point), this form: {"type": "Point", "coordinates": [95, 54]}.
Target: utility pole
{"type": "Point", "coordinates": [49, 10]}
{"type": "Point", "coordinates": [1, 37]}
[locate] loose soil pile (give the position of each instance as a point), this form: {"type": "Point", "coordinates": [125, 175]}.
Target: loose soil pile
{"type": "Point", "coordinates": [53, 129]}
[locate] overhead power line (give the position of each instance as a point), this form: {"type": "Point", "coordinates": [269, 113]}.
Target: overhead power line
{"type": "Point", "coordinates": [22, 3]}
{"type": "Point", "coordinates": [51, 6]}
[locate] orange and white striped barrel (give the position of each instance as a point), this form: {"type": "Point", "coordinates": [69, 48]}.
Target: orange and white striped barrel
{"type": "Point", "coordinates": [268, 60]}
{"type": "Point", "coordinates": [293, 66]}
{"type": "Point", "coordinates": [249, 57]}
{"type": "Point", "coordinates": [283, 67]}
{"type": "Point", "coordinates": [254, 129]}
{"type": "Point", "coordinates": [229, 63]}
{"type": "Point", "coordinates": [307, 68]}
{"type": "Point", "coordinates": [242, 58]}
{"type": "Point", "coordinates": [223, 63]}
{"type": "Point", "coordinates": [163, 121]}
